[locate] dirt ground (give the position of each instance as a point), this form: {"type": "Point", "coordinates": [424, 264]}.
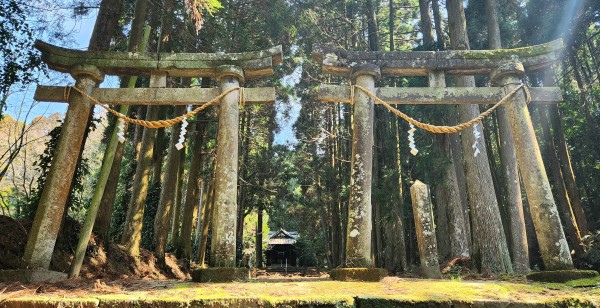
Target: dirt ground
{"type": "Point", "coordinates": [98, 264]}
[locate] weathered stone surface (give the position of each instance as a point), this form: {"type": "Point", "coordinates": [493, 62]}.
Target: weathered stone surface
{"type": "Point", "coordinates": [454, 62]}
{"type": "Point", "coordinates": [31, 276]}
{"type": "Point", "coordinates": [437, 96]}
{"type": "Point", "coordinates": [254, 64]}
{"type": "Point", "coordinates": [358, 243]}
{"type": "Point", "coordinates": [156, 96]}
{"type": "Point", "coordinates": [553, 245]}
{"type": "Point", "coordinates": [48, 217]}
{"type": "Point", "coordinates": [358, 274]}
{"type": "Point", "coordinates": [226, 177]}
{"type": "Point", "coordinates": [220, 274]}
{"type": "Point", "coordinates": [425, 230]}
{"type": "Point", "coordinates": [561, 276]}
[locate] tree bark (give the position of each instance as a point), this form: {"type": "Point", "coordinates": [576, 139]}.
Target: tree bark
{"type": "Point", "coordinates": [426, 25]}
{"type": "Point", "coordinates": [490, 248]}
{"type": "Point", "coordinates": [508, 159]}
{"type": "Point", "coordinates": [455, 228]}
{"type": "Point", "coordinates": [136, 35]}
{"type": "Point", "coordinates": [132, 232]}
{"type": "Point", "coordinates": [563, 201]}
{"type": "Point", "coordinates": [391, 23]}
{"type": "Point", "coordinates": [206, 223]}
{"type": "Point", "coordinates": [560, 143]}
{"type": "Point", "coordinates": [372, 25]}
{"type": "Point", "coordinates": [176, 215]}
{"type": "Point", "coordinates": [439, 32]}
{"type": "Point", "coordinates": [167, 193]}
{"type": "Point", "coordinates": [192, 195]}
{"type": "Point", "coordinates": [259, 238]}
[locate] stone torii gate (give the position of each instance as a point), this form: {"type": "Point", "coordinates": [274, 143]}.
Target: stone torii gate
{"type": "Point", "coordinates": [506, 68]}
{"type": "Point", "coordinates": [88, 69]}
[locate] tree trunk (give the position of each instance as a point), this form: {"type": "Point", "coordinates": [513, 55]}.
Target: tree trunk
{"type": "Point", "coordinates": [560, 143]}
{"type": "Point", "coordinates": [491, 249]}
{"type": "Point", "coordinates": [508, 159]}
{"type": "Point", "coordinates": [132, 233]}
{"type": "Point", "coordinates": [167, 193]}
{"type": "Point", "coordinates": [114, 9]}
{"type": "Point", "coordinates": [563, 201]}
{"type": "Point", "coordinates": [426, 25]}
{"type": "Point", "coordinates": [243, 171]}
{"type": "Point", "coordinates": [372, 25]}
{"type": "Point", "coordinates": [399, 208]}
{"type": "Point", "coordinates": [192, 195]}
{"type": "Point", "coordinates": [439, 32]}
{"type": "Point", "coordinates": [176, 215]}
{"type": "Point", "coordinates": [207, 223]}
{"type": "Point", "coordinates": [391, 23]}
{"type": "Point", "coordinates": [259, 238]}
{"type": "Point", "coordinates": [454, 233]}
{"type": "Point", "coordinates": [567, 169]}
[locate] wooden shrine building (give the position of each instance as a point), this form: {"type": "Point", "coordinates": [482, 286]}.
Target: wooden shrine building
{"type": "Point", "coordinates": [281, 249]}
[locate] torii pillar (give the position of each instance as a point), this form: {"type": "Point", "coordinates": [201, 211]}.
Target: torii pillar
{"type": "Point", "coordinates": [48, 217]}
{"type": "Point", "coordinates": [553, 244]}
{"type": "Point", "coordinates": [226, 175]}
{"type": "Point", "coordinates": [360, 225]}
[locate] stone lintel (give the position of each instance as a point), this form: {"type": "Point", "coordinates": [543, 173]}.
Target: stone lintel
{"type": "Point", "coordinates": [31, 276]}
{"type": "Point", "coordinates": [254, 64]}
{"type": "Point", "coordinates": [156, 96]}
{"type": "Point", "coordinates": [438, 96]}
{"type": "Point", "coordinates": [453, 62]}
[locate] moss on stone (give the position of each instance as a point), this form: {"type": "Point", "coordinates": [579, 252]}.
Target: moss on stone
{"type": "Point", "coordinates": [220, 274]}
{"type": "Point", "coordinates": [358, 274]}
{"type": "Point", "coordinates": [500, 54]}
{"type": "Point", "coordinates": [585, 282]}
{"type": "Point", "coordinates": [561, 276]}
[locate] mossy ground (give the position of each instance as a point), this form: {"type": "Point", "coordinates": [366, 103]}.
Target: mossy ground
{"type": "Point", "coordinates": [390, 292]}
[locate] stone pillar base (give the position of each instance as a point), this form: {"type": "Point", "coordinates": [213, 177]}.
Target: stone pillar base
{"type": "Point", "coordinates": [358, 274]}
{"type": "Point", "coordinates": [31, 276]}
{"type": "Point", "coordinates": [561, 276]}
{"type": "Point", "coordinates": [220, 274]}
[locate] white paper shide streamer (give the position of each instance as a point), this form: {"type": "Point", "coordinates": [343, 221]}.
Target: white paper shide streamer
{"type": "Point", "coordinates": [411, 140]}
{"type": "Point", "coordinates": [182, 132]}
{"type": "Point", "coordinates": [121, 130]}
{"type": "Point", "coordinates": [475, 145]}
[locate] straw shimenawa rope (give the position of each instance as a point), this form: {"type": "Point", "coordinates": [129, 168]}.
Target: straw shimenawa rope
{"type": "Point", "coordinates": [157, 123]}
{"type": "Point", "coordinates": [437, 129]}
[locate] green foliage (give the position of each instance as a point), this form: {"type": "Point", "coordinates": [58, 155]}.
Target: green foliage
{"type": "Point", "coordinates": [19, 61]}
{"type": "Point", "coordinates": [76, 199]}
{"type": "Point", "coordinates": [308, 252]}
{"type": "Point", "coordinates": [591, 258]}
